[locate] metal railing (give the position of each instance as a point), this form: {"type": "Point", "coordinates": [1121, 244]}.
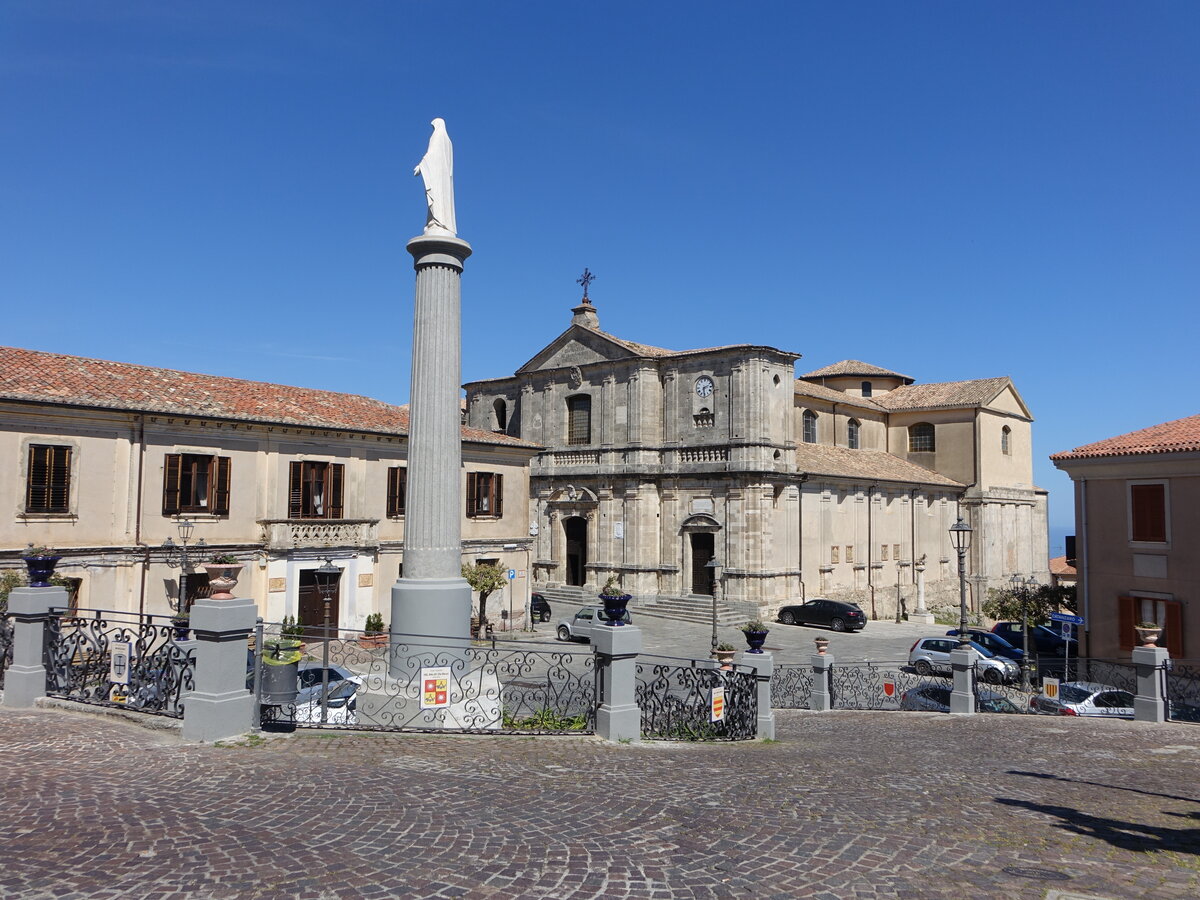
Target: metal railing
{"type": "Point", "coordinates": [6, 644]}
{"type": "Point", "coordinates": [886, 686]}
{"type": "Point", "coordinates": [791, 686]}
{"type": "Point", "coordinates": [677, 701]}
{"type": "Point", "coordinates": [1182, 689]}
{"type": "Point", "coordinates": [79, 663]}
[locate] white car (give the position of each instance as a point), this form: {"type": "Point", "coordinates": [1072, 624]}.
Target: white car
{"type": "Point", "coordinates": [1085, 698]}
{"type": "Point", "coordinates": [582, 625]}
{"type": "Point", "coordinates": [929, 655]}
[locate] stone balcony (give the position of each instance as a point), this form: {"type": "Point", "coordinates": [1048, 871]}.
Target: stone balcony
{"type": "Point", "coordinates": [297, 534]}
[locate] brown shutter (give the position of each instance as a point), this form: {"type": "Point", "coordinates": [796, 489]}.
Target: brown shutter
{"type": "Point", "coordinates": [1149, 512]}
{"type": "Point", "coordinates": [295, 491]}
{"type": "Point", "coordinates": [391, 491]}
{"type": "Point", "coordinates": [1173, 628]}
{"type": "Point", "coordinates": [472, 494]}
{"type": "Point", "coordinates": [60, 479]}
{"type": "Point", "coordinates": [335, 491]}
{"type": "Point", "coordinates": [498, 499]}
{"type": "Point", "coordinates": [397, 484]}
{"type": "Point", "coordinates": [171, 469]}
{"type": "Point", "coordinates": [1126, 618]}
{"type": "Point", "coordinates": [219, 486]}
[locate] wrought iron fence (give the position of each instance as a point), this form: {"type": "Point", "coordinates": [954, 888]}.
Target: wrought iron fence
{"type": "Point", "coordinates": [791, 686]}
{"type": "Point", "coordinates": [887, 686]}
{"type": "Point", "coordinates": [1182, 679]}
{"type": "Point", "coordinates": [1003, 698]}
{"type": "Point", "coordinates": [680, 698]}
{"type": "Point", "coordinates": [415, 683]}
{"type": "Point", "coordinates": [78, 660]}
{"type": "Point", "coordinates": [6, 645]}
{"type": "Point", "coordinates": [1118, 674]}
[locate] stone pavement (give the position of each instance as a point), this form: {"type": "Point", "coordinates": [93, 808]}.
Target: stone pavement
{"type": "Point", "coordinates": [846, 805]}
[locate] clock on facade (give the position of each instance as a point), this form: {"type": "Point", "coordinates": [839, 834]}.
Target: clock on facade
{"type": "Point", "coordinates": [704, 386]}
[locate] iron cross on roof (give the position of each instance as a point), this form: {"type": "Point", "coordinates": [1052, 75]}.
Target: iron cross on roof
{"type": "Point", "coordinates": [586, 279]}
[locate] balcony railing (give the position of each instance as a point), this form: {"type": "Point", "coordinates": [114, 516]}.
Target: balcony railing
{"type": "Point", "coordinates": [290, 534]}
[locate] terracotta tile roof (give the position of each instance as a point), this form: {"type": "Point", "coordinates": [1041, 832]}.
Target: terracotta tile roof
{"type": "Point", "coordinates": [875, 465]}
{"type": "Point", "coordinates": [820, 392]}
{"type": "Point", "coordinates": [1178, 436]}
{"type": "Point", "coordinates": [945, 394]}
{"type": "Point", "coordinates": [1059, 567]}
{"type": "Point", "coordinates": [78, 381]}
{"type": "Point", "coordinates": [854, 367]}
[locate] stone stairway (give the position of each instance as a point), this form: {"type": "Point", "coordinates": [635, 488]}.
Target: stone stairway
{"type": "Point", "coordinates": [693, 608]}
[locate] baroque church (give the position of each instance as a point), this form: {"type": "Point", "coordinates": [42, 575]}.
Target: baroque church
{"type": "Point", "coordinates": [718, 472]}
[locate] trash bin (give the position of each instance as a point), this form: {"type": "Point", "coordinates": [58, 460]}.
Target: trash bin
{"type": "Point", "coordinates": [281, 672]}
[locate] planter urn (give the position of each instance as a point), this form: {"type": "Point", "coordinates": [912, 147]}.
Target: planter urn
{"type": "Point", "coordinates": [615, 606]}
{"type": "Point", "coordinates": [822, 645]}
{"type": "Point", "coordinates": [40, 569]}
{"type": "Point", "coordinates": [222, 579]}
{"type": "Point", "coordinates": [755, 640]}
{"type": "Point", "coordinates": [1148, 636]}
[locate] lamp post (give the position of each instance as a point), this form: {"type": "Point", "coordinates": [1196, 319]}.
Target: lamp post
{"type": "Point", "coordinates": [960, 537]}
{"type": "Point", "coordinates": [1027, 588]}
{"type": "Point", "coordinates": [327, 579]}
{"type": "Point", "coordinates": [177, 555]}
{"type": "Point", "coordinates": [714, 565]}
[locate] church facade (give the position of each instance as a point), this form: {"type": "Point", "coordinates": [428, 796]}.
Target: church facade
{"type": "Point", "coordinates": [717, 472]}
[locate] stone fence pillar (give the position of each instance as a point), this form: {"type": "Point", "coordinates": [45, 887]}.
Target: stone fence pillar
{"type": "Point", "coordinates": [25, 680]}
{"type": "Point", "coordinates": [962, 697]}
{"type": "Point", "coordinates": [220, 706]}
{"type": "Point", "coordinates": [618, 717]}
{"type": "Point", "coordinates": [820, 699]}
{"type": "Point", "coordinates": [1150, 704]}
{"type": "Point", "coordinates": [764, 668]}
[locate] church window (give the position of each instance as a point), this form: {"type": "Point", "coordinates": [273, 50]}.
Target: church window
{"type": "Point", "coordinates": [920, 438]}
{"type": "Point", "coordinates": [810, 427]}
{"type": "Point", "coordinates": [1006, 441]}
{"type": "Point", "coordinates": [501, 410]}
{"type": "Point", "coordinates": [852, 434]}
{"type": "Point", "coordinates": [579, 419]}
{"type": "Point", "coordinates": [866, 389]}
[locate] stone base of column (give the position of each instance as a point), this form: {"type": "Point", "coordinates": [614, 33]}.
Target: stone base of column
{"type": "Point", "coordinates": [925, 618]}
{"type": "Point", "coordinates": [438, 609]}
{"type": "Point", "coordinates": [962, 697]}
{"type": "Point", "coordinates": [216, 717]}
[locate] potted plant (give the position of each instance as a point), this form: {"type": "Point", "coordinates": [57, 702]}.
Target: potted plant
{"type": "Point", "coordinates": [181, 622]}
{"type": "Point", "coordinates": [723, 653]}
{"type": "Point", "coordinates": [1148, 633]}
{"type": "Point", "coordinates": [756, 634]}
{"type": "Point", "coordinates": [615, 602]}
{"type": "Point", "coordinates": [291, 634]}
{"type": "Point", "coordinates": [223, 570]}
{"type": "Point", "coordinates": [40, 561]}
{"type": "Point", "coordinates": [375, 634]}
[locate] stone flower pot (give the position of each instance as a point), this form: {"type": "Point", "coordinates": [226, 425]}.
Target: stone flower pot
{"type": "Point", "coordinates": [1148, 636]}
{"type": "Point", "coordinates": [40, 569]}
{"type": "Point", "coordinates": [755, 640]}
{"type": "Point", "coordinates": [222, 579]}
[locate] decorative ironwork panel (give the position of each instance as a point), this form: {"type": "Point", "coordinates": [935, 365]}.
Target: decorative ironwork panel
{"type": "Point", "coordinates": [677, 701]}
{"type": "Point", "coordinates": [1122, 675]}
{"type": "Point", "coordinates": [888, 686]}
{"type": "Point", "coordinates": [1003, 698]}
{"type": "Point", "coordinates": [6, 645]}
{"type": "Point", "coordinates": [1183, 691]}
{"type": "Point", "coordinates": [440, 685]}
{"type": "Point", "coordinates": [791, 687]}
{"type": "Point", "coordinates": [78, 661]}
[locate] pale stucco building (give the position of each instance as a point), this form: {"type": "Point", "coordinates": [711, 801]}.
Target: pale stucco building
{"type": "Point", "coordinates": [102, 460]}
{"type": "Point", "coordinates": [838, 483]}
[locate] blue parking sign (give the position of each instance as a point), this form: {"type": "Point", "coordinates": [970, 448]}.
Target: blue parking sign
{"type": "Point", "coordinates": [512, 573]}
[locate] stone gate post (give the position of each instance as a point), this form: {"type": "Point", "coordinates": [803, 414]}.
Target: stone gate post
{"type": "Point", "coordinates": [1150, 704]}
{"type": "Point", "coordinates": [820, 699]}
{"type": "Point", "coordinates": [25, 680]}
{"type": "Point", "coordinates": [618, 717]}
{"type": "Point", "coordinates": [220, 706]}
{"type": "Point", "coordinates": [764, 668]}
{"type": "Point", "coordinates": [962, 697]}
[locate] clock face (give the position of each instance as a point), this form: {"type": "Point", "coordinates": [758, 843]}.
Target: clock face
{"type": "Point", "coordinates": [704, 386]}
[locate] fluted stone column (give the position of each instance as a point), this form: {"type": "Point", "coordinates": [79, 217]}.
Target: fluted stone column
{"type": "Point", "coordinates": [433, 598]}
{"type": "Point", "coordinates": [921, 616]}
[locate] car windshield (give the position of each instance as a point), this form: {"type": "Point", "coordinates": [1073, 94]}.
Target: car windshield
{"type": "Point", "coordinates": [984, 650]}
{"type": "Point", "coordinates": [1072, 694]}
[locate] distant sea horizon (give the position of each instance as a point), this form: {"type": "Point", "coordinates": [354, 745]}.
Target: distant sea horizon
{"type": "Point", "coordinates": [1058, 539]}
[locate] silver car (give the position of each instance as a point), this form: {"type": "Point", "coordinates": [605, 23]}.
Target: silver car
{"type": "Point", "coordinates": [936, 698]}
{"type": "Point", "coordinates": [929, 655]}
{"type": "Point", "coordinates": [1085, 698]}
{"type": "Point", "coordinates": [582, 625]}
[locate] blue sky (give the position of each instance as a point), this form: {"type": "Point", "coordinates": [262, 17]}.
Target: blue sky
{"type": "Point", "coordinates": [953, 190]}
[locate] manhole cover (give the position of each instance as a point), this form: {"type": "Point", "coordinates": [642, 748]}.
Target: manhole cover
{"type": "Point", "coordinates": [1035, 873]}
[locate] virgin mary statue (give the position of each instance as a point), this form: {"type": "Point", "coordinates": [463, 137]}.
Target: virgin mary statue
{"type": "Point", "coordinates": [437, 169]}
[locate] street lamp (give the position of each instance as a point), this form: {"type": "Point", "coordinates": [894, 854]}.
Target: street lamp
{"type": "Point", "coordinates": [960, 537]}
{"type": "Point", "coordinates": [714, 565]}
{"type": "Point", "coordinates": [327, 580]}
{"type": "Point", "coordinates": [177, 555]}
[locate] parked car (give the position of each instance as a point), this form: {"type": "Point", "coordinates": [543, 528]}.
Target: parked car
{"type": "Point", "coordinates": [582, 625]}
{"type": "Point", "coordinates": [936, 698]}
{"type": "Point", "coordinates": [929, 655]}
{"type": "Point", "coordinates": [1045, 640]}
{"type": "Point", "coordinates": [1085, 698]}
{"type": "Point", "coordinates": [834, 614]}
{"type": "Point", "coordinates": [991, 641]}
{"type": "Point", "coordinates": [539, 608]}
{"type": "Point", "coordinates": [342, 706]}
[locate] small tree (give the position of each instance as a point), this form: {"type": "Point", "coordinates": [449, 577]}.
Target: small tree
{"type": "Point", "coordinates": [485, 578]}
{"type": "Point", "coordinates": [1006, 604]}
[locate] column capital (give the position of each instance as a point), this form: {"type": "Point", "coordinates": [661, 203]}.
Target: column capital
{"type": "Point", "coordinates": [435, 250]}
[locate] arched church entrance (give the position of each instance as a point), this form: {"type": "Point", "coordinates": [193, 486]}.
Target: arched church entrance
{"type": "Point", "coordinates": [703, 551]}
{"type": "Point", "coordinates": [575, 530]}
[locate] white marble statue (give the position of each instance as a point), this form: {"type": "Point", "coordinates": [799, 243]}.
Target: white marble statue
{"type": "Point", "coordinates": [437, 168]}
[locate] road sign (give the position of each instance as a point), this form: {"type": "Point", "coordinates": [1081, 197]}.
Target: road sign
{"type": "Point", "coordinates": [1066, 617]}
{"type": "Point", "coordinates": [512, 573]}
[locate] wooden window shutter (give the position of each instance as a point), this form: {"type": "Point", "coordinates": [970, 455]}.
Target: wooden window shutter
{"type": "Point", "coordinates": [219, 501]}
{"type": "Point", "coordinates": [335, 491]}
{"type": "Point", "coordinates": [1173, 628]}
{"type": "Point", "coordinates": [391, 492]}
{"type": "Point", "coordinates": [171, 469]}
{"type": "Point", "coordinates": [472, 494]}
{"type": "Point", "coordinates": [1149, 512]}
{"type": "Point", "coordinates": [498, 496]}
{"type": "Point", "coordinates": [1127, 617]}
{"type": "Point", "coordinates": [295, 490]}
{"type": "Point", "coordinates": [397, 488]}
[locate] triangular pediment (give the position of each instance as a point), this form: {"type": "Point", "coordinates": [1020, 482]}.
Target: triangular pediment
{"type": "Point", "coordinates": [576, 347]}
{"type": "Point", "coordinates": [1008, 400]}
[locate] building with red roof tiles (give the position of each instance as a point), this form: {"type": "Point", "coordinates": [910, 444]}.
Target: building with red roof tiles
{"type": "Point", "coordinates": [660, 464]}
{"type": "Point", "coordinates": [1137, 536]}
{"type": "Point", "coordinates": [107, 458]}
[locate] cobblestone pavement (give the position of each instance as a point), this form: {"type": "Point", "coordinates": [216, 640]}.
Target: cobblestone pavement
{"type": "Point", "coordinates": [846, 805]}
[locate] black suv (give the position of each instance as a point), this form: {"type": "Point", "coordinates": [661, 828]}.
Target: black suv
{"type": "Point", "coordinates": [539, 608]}
{"type": "Point", "coordinates": [837, 615]}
